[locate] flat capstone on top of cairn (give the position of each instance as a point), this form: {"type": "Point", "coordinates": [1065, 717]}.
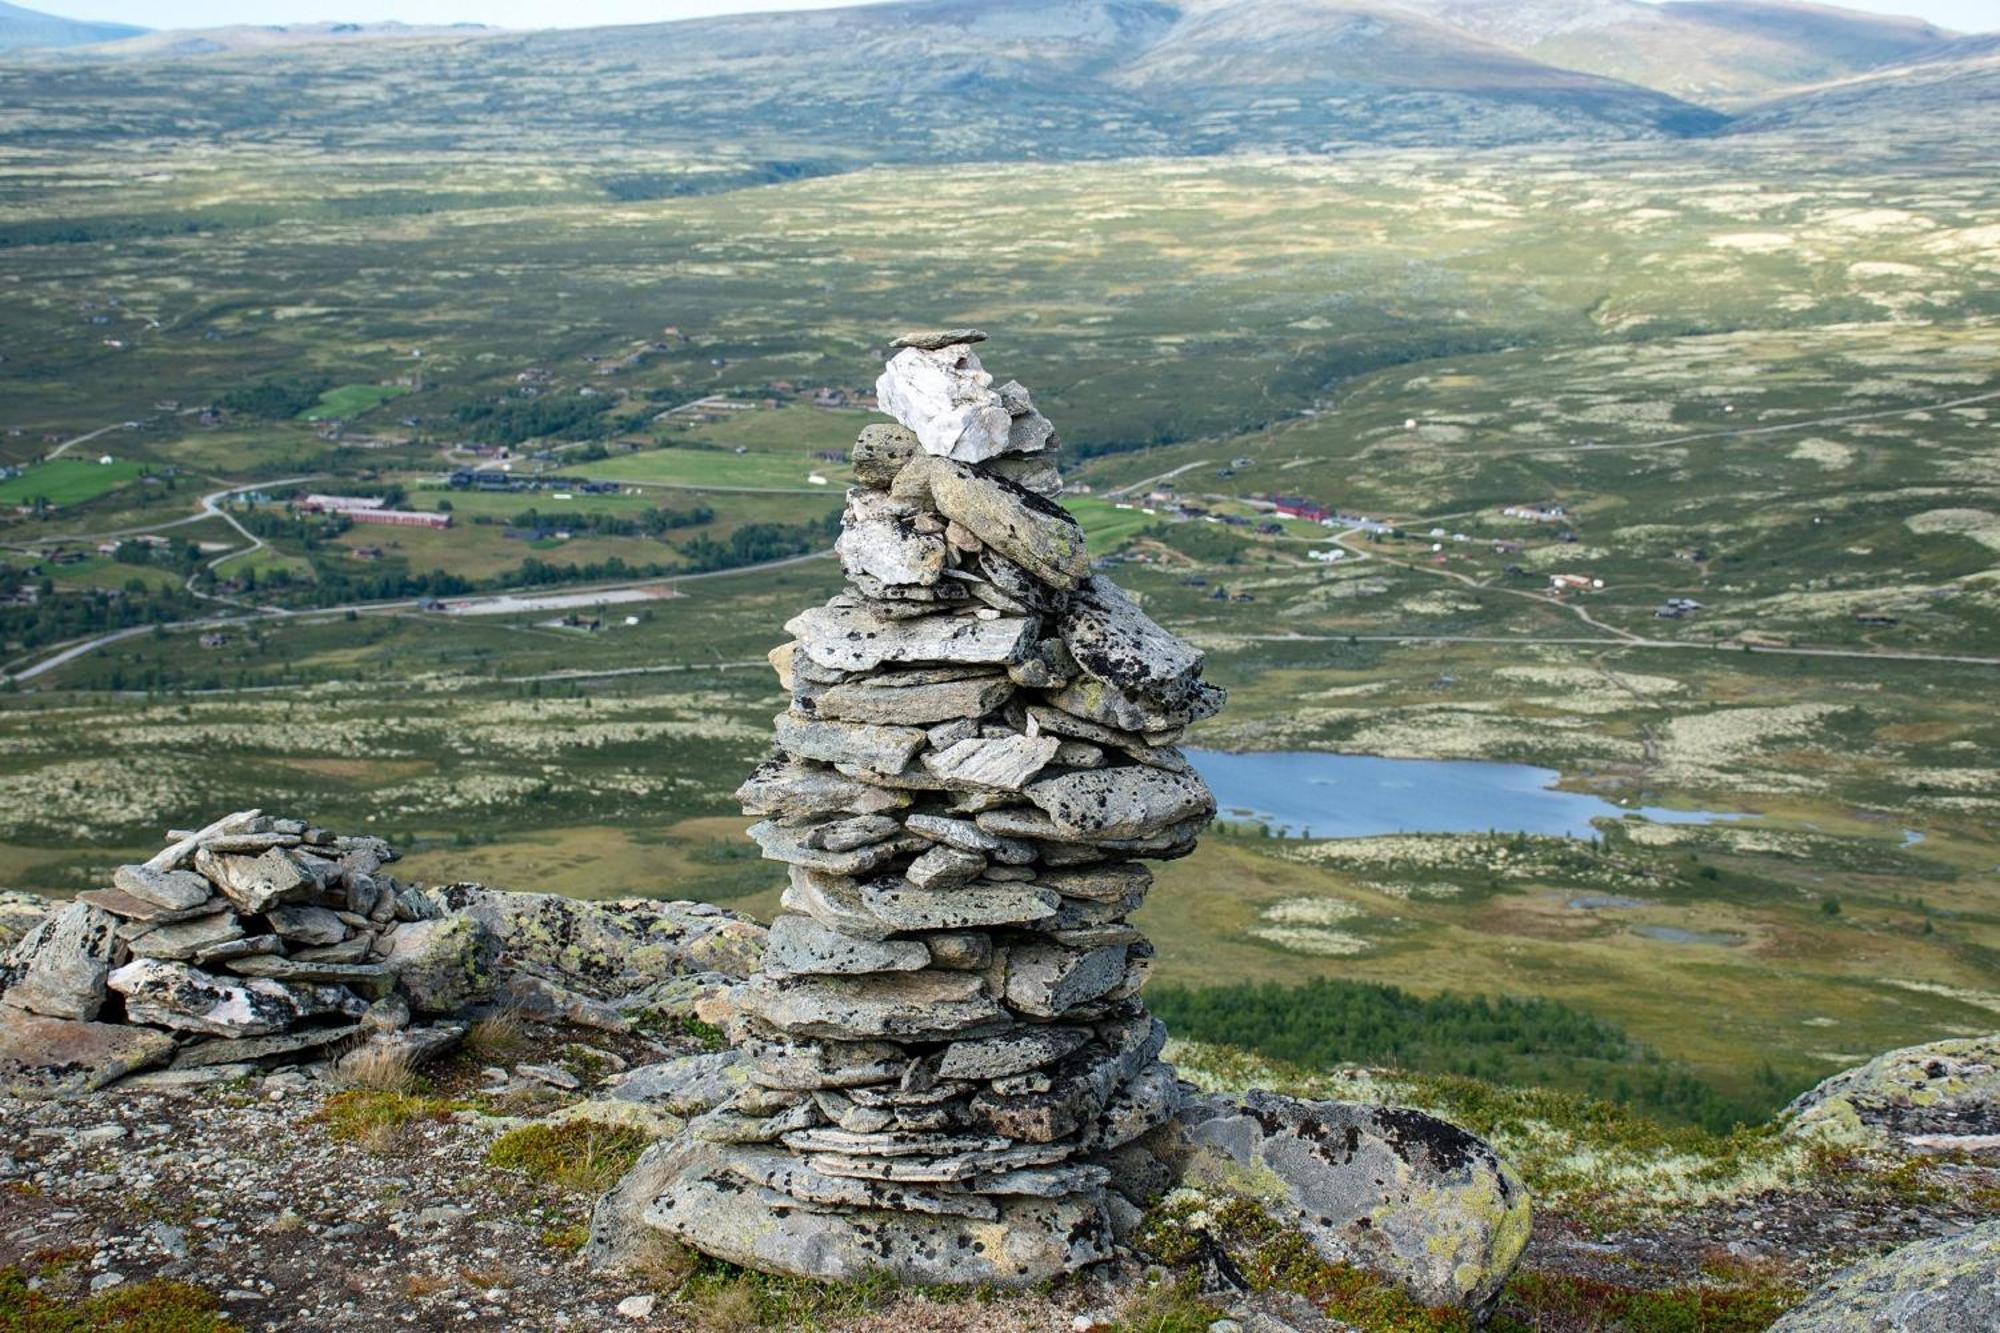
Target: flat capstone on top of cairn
{"type": "Point", "coordinates": [949, 1063]}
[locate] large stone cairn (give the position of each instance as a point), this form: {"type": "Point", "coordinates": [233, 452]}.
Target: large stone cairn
{"type": "Point", "coordinates": [945, 1045]}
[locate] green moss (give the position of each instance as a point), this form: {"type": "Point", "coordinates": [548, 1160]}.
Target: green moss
{"type": "Point", "coordinates": [1166, 1308]}
{"type": "Point", "coordinates": [568, 1239]}
{"type": "Point", "coordinates": [359, 1115]}
{"type": "Point", "coordinates": [578, 1155]}
{"type": "Point", "coordinates": [1535, 1301]}
{"type": "Point", "coordinates": [139, 1307]}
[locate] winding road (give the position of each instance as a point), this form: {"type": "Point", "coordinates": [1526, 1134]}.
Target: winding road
{"type": "Point", "coordinates": [66, 653]}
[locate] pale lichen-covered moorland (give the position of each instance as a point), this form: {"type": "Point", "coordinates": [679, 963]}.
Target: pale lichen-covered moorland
{"type": "Point", "coordinates": [1758, 371]}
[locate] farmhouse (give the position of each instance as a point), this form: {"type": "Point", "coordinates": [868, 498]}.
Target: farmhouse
{"type": "Point", "coordinates": [1292, 506]}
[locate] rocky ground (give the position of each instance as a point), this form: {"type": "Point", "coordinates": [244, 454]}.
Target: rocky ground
{"type": "Point", "coordinates": [298, 1202]}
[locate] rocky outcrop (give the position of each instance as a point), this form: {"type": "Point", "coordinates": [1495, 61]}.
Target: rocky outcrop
{"type": "Point", "coordinates": [1947, 1285]}
{"type": "Point", "coordinates": [1941, 1095]}
{"type": "Point", "coordinates": [261, 939]}
{"type": "Point", "coordinates": [1385, 1189]}
{"type": "Point", "coordinates": [944, 1047]}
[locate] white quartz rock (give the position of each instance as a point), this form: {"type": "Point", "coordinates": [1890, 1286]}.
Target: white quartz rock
{"type": "Point", "coordinates": [948, 400]}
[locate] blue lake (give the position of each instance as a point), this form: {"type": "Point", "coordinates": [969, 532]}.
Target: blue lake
{"type": "Point", "coordinates": [1301, 794]}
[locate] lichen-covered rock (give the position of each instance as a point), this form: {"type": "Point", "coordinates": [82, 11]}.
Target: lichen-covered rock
{"type": "Point", "coordinates": [444, 964]}
{"type": "Point", "coordinates": [1390, 1190]}
{"type": "Point", "coordinates": [1946, 1285]}
{"type": "Point", "coordinates": [47, 1058]}
{"type": "Point", "coordinates": [1131, 802]}
{"type": "Point", "coordinates": [605, 950]}
{"type": "Point", "coordinates": [175, 995]}
{"type": "Point", "coordinates": [1031, 530]}
{"type": "Point", "coordinates": [59, 968]}
{"type": "Point", "coordinates": [1931, 1096]}
{"type": "Point", "coordinates": [702, 1199]}
{"type": "Point", "coordinates": [849, 637]}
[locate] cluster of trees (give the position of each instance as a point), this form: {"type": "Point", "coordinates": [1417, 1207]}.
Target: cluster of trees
{"type": "Point", "coordinates": [278, 399]}
{"type": "Point", "coordinates": [514, 420]}
{"type": "Point", "coordinates": [754, 543]}
{"type": "Point", "coordinates": [73, 615]}
{"type": "Point", "coordinates": [651, 522]}
{"type": "Point", "coordinates": [1540, 1042]}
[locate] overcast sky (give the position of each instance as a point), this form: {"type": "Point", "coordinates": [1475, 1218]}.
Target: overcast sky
{"type": "Point", "coordinates": [1967, 15]}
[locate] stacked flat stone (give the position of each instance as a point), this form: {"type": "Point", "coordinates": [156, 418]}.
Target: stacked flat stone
{"type": "Point", "coordinates": [250, 938]}
{"type": "Point", "coordinates": [945, 1044]}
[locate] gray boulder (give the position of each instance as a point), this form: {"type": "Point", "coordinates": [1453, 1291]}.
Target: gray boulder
{"type": "Point", "coordinates": [698, 1196]}
{"type": "Point", "coordinates": [881, 452]}
{"type": "Point", "coordinates": [1939, 1095]}
{"type": "Point", "coordinates": [174, 995]}
{"type": "Point", "coordinates": [844, 636]}
{"type": "Point", "coordinates": [189, 939]}
{"type": "Point", "coordinates": [880, 539]}
{"type": "Point", "coordinates": [886, 699]}
{"type": "Point", "coordinates": [1390, 1190]}
{"type": "Point", "coordinates": [255, 883]}
{"type": "Point", "coordinates": [49, 1058]}
{"type": "Point", "coordinates": [1113, 803]}
{"type": "Point", "coordinates": [1031, 530]}
{"type": "Point", "coordinates": [1945, 1285]}
{"type": "Point", "coordinates": [1117, 643]}
{"type": "Point", "coordinates": [443, 965]}
{"type": "Point", "coordinates": [605, 950]}
{"type": "Point", "coordinates": [59, 968]}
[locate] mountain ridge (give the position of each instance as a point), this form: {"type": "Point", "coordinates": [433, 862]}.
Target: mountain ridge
{"type": "Point", "coordinates": [31, 29]}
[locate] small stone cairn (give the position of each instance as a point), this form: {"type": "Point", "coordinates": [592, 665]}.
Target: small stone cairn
{"type": "Point", "coordinates": [249, 939]}
{"type": "Point", "coordinates": [945, 1046]}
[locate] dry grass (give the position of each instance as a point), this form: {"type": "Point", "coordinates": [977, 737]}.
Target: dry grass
{"type": "Point", "coordinates": [377, 1068]}
{"type": "Point", "coordinates": [419, 1285]}
{"type": "Point", "coordinates": [497, 1037]}
{"type": "Point", "coordinates": [665, 1265]}
{"type": "Point", "coordinates": [581, 1156]}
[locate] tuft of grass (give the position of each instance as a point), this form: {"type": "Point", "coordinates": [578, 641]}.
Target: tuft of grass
{"type": "Point", "coordinates": [376, 1120]}
{"type": "Point", "coordinates": [1165, 1307]}
{"type": "Point", "coordinates": [419, 1285]}
{"type": "Point", "coordinates": [567, 1239]}
{"type": "Point", "coordinates": [1564, 1300]}
{"type": "Point", "coordinates": [156, 1306]}
{"type": "Point", "coordinates": [374, 1068]}
{"type": "Point", "coordinates": [578, 1155]}
{"type": "Point", "coordinates": [496, 1037]}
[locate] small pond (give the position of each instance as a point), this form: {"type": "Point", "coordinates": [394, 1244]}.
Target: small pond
{"type": "Point", "coordinates": [1306, 794]}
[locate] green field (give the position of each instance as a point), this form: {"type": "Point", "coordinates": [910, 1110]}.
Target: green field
{"type": "Point", "coordinates": [352, 400]}
{"type": "Point", "coordinates": [1756, 371]}
{"type": "Point", "coordinates": [69, 481]}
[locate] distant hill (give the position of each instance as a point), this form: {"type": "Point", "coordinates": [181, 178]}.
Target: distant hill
{"type": "Point", "coordinates": [137, 43]}
{"type": "Point", "coordinates": [918, 80]}
{"type": "Point", "coordinates": [29, 29]}
{"type": "Point", "coordinates": [1956, 84]}
{"type": "Point", "coordinates": [1715, 52]}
